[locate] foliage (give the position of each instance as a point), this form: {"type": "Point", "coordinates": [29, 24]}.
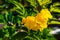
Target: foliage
{"type": "Point", "coordinates": [12, 12]}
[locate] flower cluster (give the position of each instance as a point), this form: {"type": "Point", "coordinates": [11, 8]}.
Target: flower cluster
{"type": "Point", "coordinates": [39, 22]}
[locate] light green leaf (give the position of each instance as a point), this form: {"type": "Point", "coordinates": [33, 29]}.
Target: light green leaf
{"type": "Point", "coordinates": [55, 8]}
{"type": "Point", "coordinates": [44, 2]}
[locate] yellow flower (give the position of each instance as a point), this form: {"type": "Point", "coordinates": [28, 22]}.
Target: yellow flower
{"type": "Point", "coordinates": [29, 22]}
{"type": "Point", "coordinates": [45, 13]}
{"type": "Point", "coordinates": [39, 22]}
{"type": "Point", "coordinates": [32, 24]}
{"type": "Point", "coordinates": [43, 17]}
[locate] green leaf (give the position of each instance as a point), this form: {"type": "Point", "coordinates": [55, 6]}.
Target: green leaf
{"type": "Point", "coordinates": [1, 18]}
{"type": "Point", "coordinates": [1, 38]}
{"type": "Point", "coordinates": [44, 2]}
{"type": "Point", "coordinates": [55, 8]}
{"type": "Point", "coordinates": [54, 22]}
{"type": "Point", "coordinates": [33, 3]}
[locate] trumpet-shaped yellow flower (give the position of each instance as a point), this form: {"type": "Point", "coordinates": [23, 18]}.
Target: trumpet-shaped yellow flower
{"type": "Point", "coordinates": [46, 13]}
{"type": "Point", "coordinates": [39, 22]}
{"type": "Point", "coordinates": [29, 22]}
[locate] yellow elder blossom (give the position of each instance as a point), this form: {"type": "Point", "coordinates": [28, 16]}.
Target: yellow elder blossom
{"type": "Point", "coordinates": [29, 22]}
{"type": "Point", "coordinates": [45, 13]}
{"type": "Point", "coordinates": [39, 22]}
{"type": "Point", "coordinates": [43, 16]}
